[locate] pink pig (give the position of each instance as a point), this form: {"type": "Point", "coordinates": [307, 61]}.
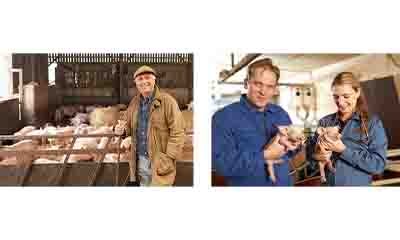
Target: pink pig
{"type": "Point", "coordinates": [333, 134]}
{"type": "Point", "coordinates": [289, 137]}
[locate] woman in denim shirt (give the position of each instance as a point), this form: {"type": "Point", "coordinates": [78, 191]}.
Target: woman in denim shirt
{"type": "Point", "coordinates": [361, 150]}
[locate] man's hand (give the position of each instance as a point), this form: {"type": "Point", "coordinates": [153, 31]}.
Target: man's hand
{"type": "Point", "coordinates": [292, 146]}
{"type": "Point", "coordinates": [273, 150]}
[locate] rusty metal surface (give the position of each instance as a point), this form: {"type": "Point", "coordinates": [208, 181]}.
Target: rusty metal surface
{"type": "Point", "coordinates": [241, 64]}
{"type": "Point", "coordinates": [7, 153]}
{"type": "Point", "coordinates": [80, 173]}
{"type": "Point", "coordinates": [12, 137]}
{"type": "Point", "coordinates": [184, 174]}
{"type": "Point", "coordinates": [84, 173]}
{"type": "Point", "coordinates": [148, 58]}
{"type": "Point", "coordinates": [76, 174]}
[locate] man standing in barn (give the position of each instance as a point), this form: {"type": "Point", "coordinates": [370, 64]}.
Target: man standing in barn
{"type": "Point", "coordinates": [244, 133]}
{"type": "Point", "coordinates": [156, 129]}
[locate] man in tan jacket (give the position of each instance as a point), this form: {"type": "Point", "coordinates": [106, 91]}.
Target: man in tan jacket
{"type": "Point", "coordinates": [156, 127]}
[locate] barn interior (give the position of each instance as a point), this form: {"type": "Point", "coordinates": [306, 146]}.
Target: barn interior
{"type": "Point", "coordinates": [63, 89]}
{"type": "Point", "coordinates": [305, 93]}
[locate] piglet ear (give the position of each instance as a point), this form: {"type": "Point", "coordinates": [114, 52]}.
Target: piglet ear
{"type": "Point", "coordinates": [320, 130]}
{"type": "Point", "coordinates": [283, 129]}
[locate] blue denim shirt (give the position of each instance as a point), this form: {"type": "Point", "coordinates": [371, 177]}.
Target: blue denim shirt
{"type": "Point", "coordinates": [142, 128]}
{"type": "Point", "coordinates": [239, 134]}
{"type": "Point", "coordinates": [363, 155]}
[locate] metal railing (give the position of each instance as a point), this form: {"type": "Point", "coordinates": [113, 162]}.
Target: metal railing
{"type": "Point", "coordinates": [148, 58]}
{"type": "Point", "coordinates": [6, 152]}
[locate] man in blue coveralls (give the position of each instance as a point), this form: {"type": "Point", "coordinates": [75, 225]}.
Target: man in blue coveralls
{"type": "Point", "coordinates": [244, 134]}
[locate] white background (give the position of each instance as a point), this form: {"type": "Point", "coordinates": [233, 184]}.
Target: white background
{"type": "Point", "coordinates": [207, 29]}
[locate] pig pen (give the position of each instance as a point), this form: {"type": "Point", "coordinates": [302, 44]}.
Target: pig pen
{"type": "Point", "coordinates": [63, 173]}
{"type": "Point", "coordinates": [84, 81]}
{"type": "Point", "coordinates": [84, 173]}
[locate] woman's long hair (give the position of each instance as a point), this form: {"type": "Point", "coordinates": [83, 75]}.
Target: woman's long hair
{"type": "Point", "coordinates": [361, 105]}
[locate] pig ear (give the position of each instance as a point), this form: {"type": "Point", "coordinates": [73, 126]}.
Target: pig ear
{"type": "Point", "coordinates": [282, 128]}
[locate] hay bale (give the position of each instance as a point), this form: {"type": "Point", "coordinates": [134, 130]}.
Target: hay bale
{"type": "Point", "coordinates": [104, 117]}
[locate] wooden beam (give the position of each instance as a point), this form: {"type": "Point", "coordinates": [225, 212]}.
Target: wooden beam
{"type": "Point", "coordinates": [241, 64]}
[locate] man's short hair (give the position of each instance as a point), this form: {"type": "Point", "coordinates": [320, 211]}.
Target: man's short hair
{"type": "Point", "coordinates": [266, 64]}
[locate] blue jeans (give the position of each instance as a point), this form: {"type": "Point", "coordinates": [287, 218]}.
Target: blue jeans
{"type": "Point", "coordinates": [144, 170]}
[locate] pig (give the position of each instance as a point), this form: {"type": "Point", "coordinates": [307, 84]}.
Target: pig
{"type": "Point", "coordinates": [80, 118]}
{"type": "Point", "coordinates": [103, 140]}
{"type": "Point", "coordinates": [25, 130]}
{"type": "Point", "coordinates": [289, 137]}
{"type": "Point", "coordinates": [333, 134]}
{"type": "Point", "coordinates": [45, 161]}
{"type": "Point", "coordinates": [20, 160]}
{"type": "Point", "coordinates": [53, 157]}
{"type": "Point", "coordinates": [70, 111]}
{"type": "Point", "coordinates": [64, 131]}
{"type": "Point", "coordinates": [91, 108]}
{"type": "Point", "coordinates": [83, 143]}
{"type": "Point", "coordinates": [126, 153]}
{"type": "Point", "coordinates": [90, 143]}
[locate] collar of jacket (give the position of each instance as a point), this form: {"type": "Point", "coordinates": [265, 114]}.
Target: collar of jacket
{"type": "Point", "coordinates": [250, 107]}
{"type": "Point", "coordinates": [146, 100]}
{"type": "Point", "coordinates": [156, 96]}
{"type": "Point", "coordinates": [355, 116]}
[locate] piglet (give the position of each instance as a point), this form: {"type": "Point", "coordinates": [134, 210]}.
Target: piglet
{"type": "Point", "coordinates": [331, 133]}
{"type": "Point", "coordinates": [290, 137]}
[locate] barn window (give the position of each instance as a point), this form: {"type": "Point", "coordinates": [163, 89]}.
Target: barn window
{"type": "Point", "coordinates": [5, 75]}
{"type": "Point", "coordinates": [52, 73]}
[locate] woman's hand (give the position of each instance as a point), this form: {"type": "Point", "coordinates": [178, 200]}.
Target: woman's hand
{"type": "Point", "coordinates": [333, 145]}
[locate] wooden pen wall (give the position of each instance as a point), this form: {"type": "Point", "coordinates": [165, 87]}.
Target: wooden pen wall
{"type": "Point", "coordinates": [34, 68]}
{"type": "Point", "coordinates": [383, 99]}
{"type": "Point", "coordinates": [35, 102]}
{"type": "Point", "coordinates": [108, 78]}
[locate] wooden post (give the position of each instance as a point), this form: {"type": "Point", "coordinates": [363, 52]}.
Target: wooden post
{"type": "Point", "coordinates": [121, 79]}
